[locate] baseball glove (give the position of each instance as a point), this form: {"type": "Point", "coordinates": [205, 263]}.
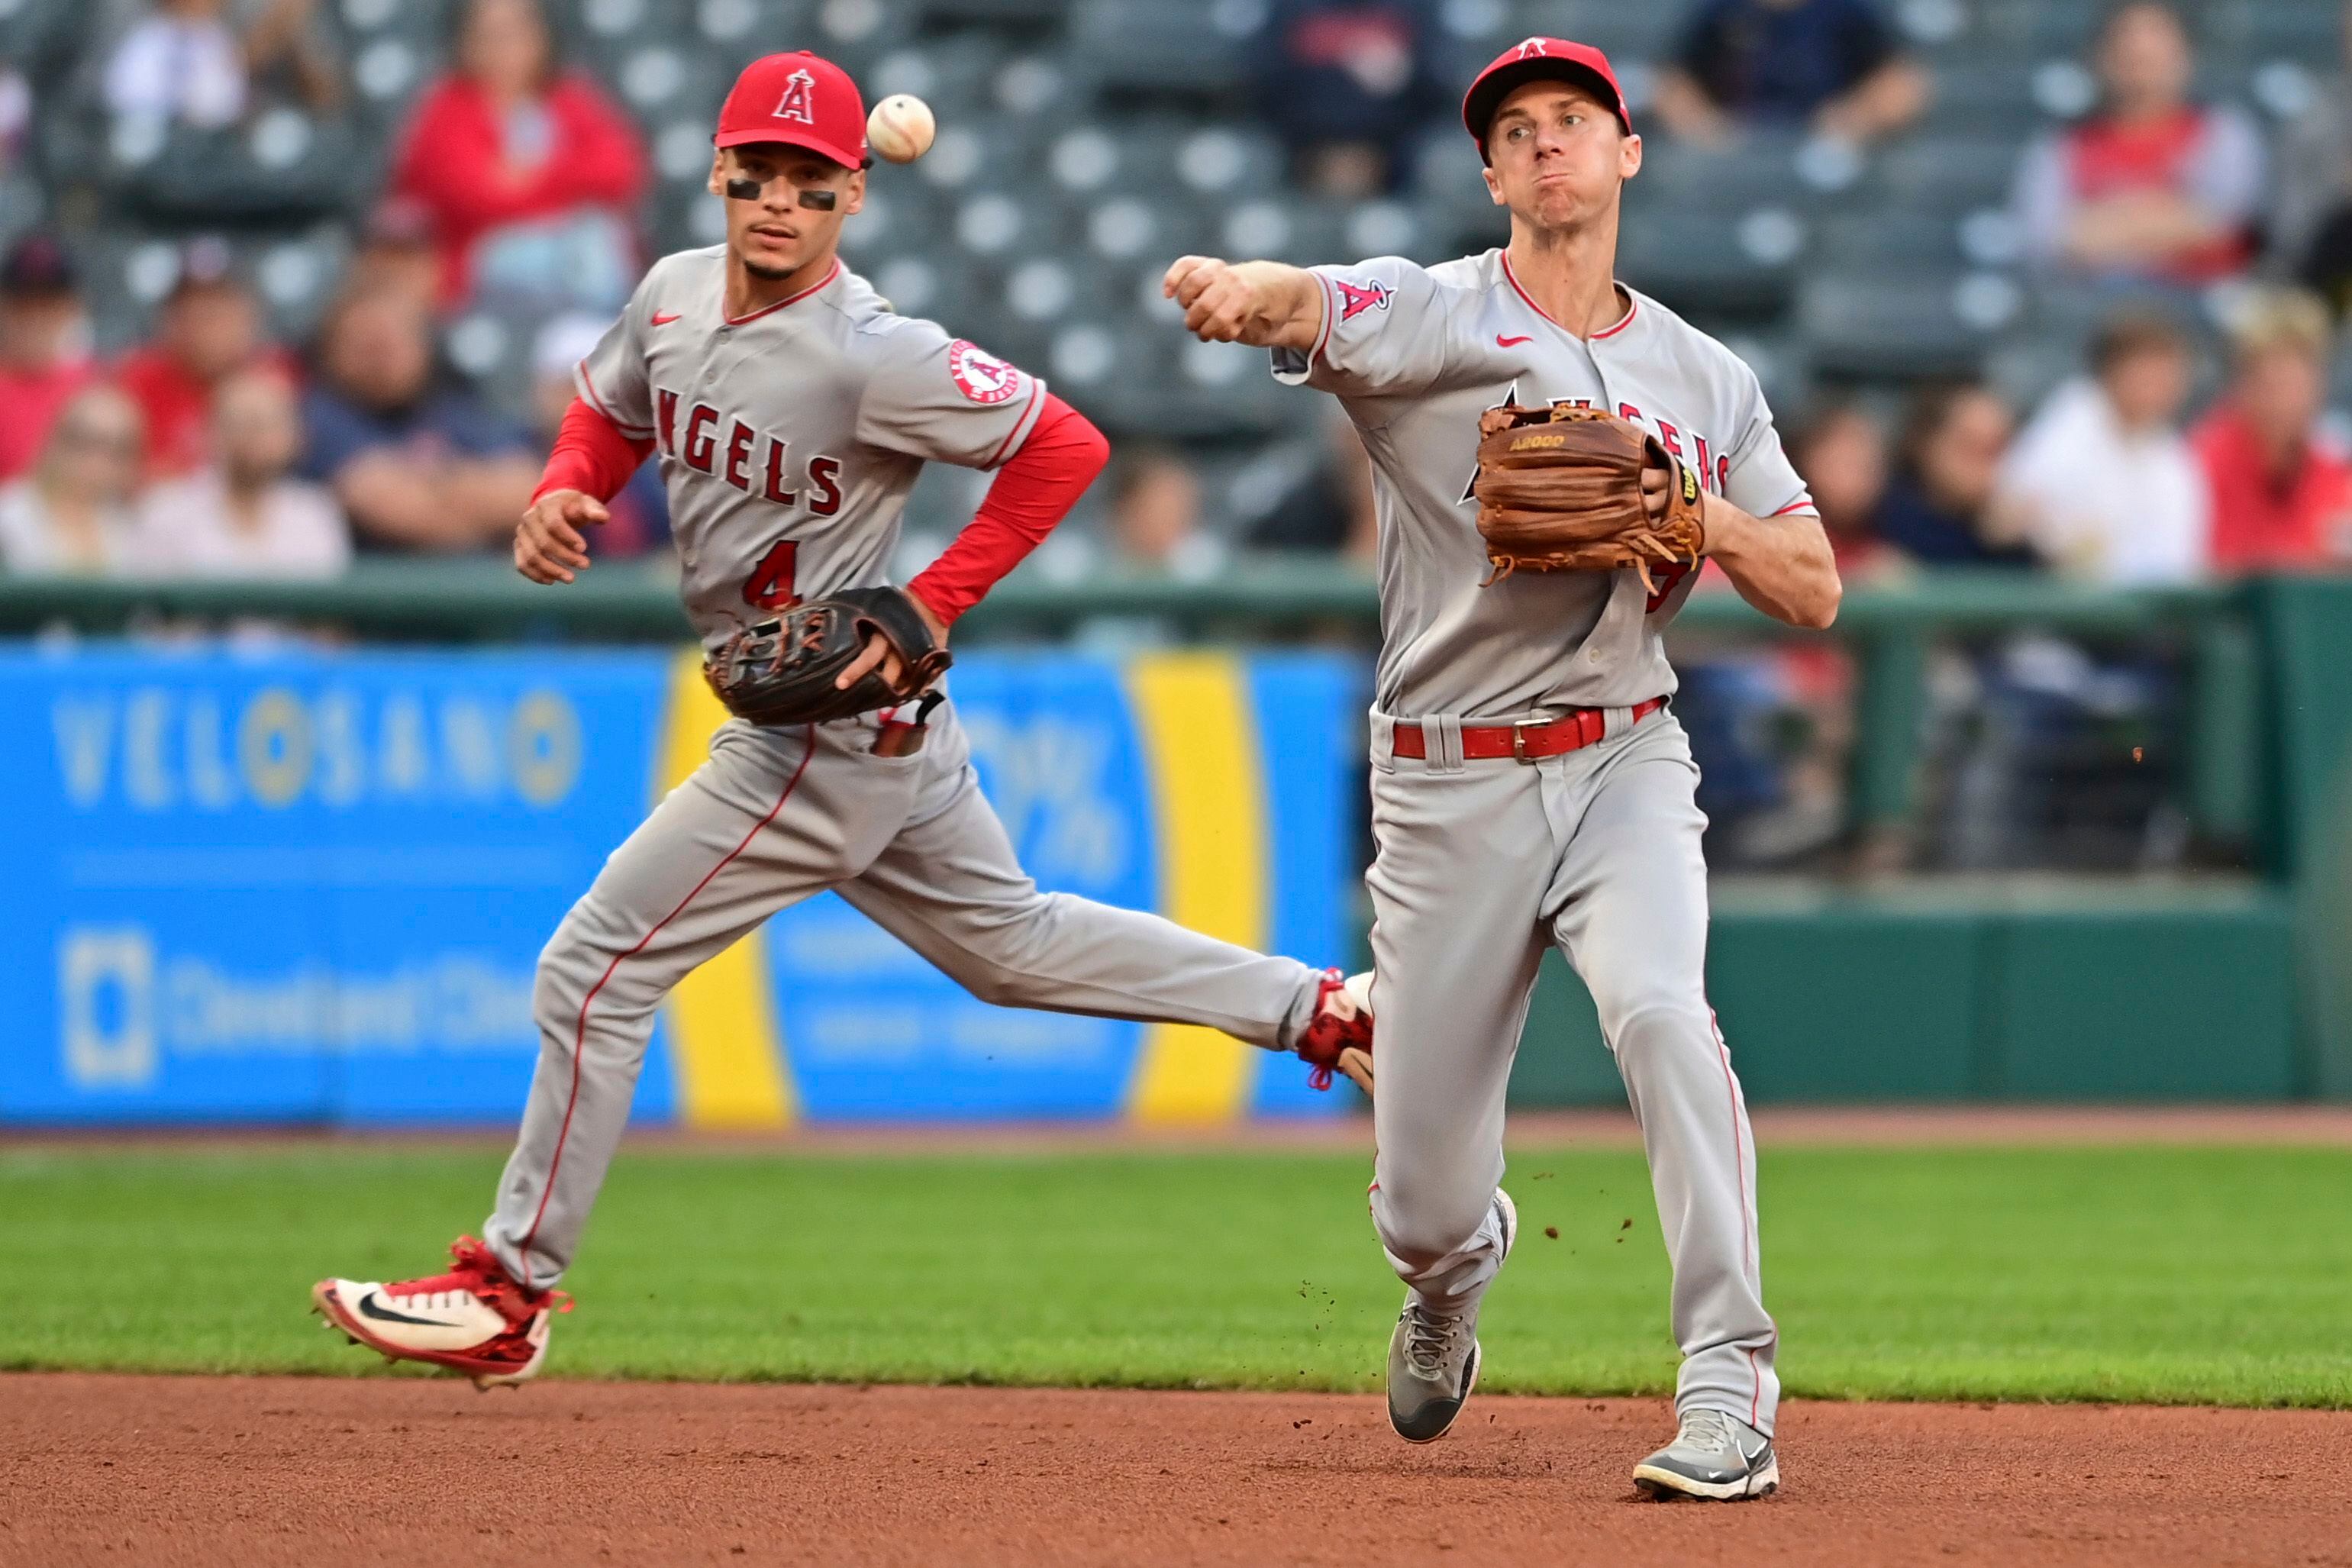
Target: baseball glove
{"type": "Point", "coordinates": [1559, 489]}
{"type": "Point", "coordinates": [783, 671]}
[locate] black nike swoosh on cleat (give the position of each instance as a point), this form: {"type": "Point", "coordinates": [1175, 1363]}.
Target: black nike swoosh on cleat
{"type": "Point", "coordinates": [368, 1309]}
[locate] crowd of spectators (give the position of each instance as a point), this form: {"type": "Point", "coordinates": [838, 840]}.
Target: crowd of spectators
{"type": "Point", "coordinates": [210, 449]}
{"type": "Point", "coordinates": [2109, 481]}
{"type": "Point", "coordinates": [515, 180]}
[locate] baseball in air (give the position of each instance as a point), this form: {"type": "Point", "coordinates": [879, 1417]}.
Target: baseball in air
{"type": "Point", "coordinates": [900, 128]}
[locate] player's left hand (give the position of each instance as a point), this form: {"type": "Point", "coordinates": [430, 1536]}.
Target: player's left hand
{"type": "Point", "coordinates": [880, 654]}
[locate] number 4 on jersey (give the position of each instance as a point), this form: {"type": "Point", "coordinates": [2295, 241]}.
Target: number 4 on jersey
{"type": "Point", "coordinates": [771, 587]}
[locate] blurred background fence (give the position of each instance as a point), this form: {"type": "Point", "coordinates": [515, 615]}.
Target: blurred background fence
{"type": "Point", "coordinates": [2146, 907]}
{"type": "Point", "coordinates": [2046, 294]}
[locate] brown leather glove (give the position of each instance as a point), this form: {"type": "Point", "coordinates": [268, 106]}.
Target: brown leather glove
{"type": "Point", "coordinates": [781, 671]}
{"type": "Point", "coordinates": [1559, 489]}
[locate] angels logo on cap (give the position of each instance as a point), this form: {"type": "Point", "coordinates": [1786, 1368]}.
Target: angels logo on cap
{"type": "Point", "coordinates": [798, 100]}
{"type": "Point", "coordinates": [1533, 49]}
{"type": "Point", "coordinates": [1357, 298]}
{"type": "Point", "coordinates": [800, 91]}
{"type": "Point", "coordinates": [981, 375]}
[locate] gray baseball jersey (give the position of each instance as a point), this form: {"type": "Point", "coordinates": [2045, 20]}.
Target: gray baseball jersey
{"type": "Point", "coordinates": [1416, 354]}
{"type": "Point", "coordinates": [789, 438]}
{"type": "Point", "coordinates": [1481, 864]}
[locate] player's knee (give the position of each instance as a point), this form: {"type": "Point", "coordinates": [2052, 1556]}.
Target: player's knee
{"type": "Point", "coordinates": [1000, 959]}
{"type": "Point", "coordinates": [580, 990]}
{"type": "Point", "coordinates": [1662, 1021]}
{"type": "Point", "coordinates": [1422, 1228]}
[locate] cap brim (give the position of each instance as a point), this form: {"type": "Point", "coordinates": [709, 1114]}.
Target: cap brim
{"type": "Point", "coordinates": [817, 145]}
{"type": "Point", "coordinates": [1486, 95]}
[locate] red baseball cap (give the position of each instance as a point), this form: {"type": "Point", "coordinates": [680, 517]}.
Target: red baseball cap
{"type": "Point", "coordinates": [799, 100]}
{"type": "Point", "coordinates": [1539, 59]}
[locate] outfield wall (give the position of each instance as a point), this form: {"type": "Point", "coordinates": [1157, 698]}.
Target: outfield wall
{"type": "Point", "coordinates": [304, 887]}
{"type": "Point", "coordinates": [310, 887]}
{"type": "Point", "coordinates": [2040, 993]}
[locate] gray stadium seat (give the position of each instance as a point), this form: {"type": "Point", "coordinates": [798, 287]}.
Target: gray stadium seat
{"type": "Point", "coordinates": [1153, 47]}
{"type": "Point", "coordinates": [21, 208]}
{"type": "Point", "coordinates": [1958, 174]}
{"type": "Point", "coordinates": [738, 31]}
{"type": "Point", "coordinates": [1694, 261]}
{"type": "Point", "coordinates": [1869, 325]}
{"type": "Point", "coordinates": [2278, 28]}
{"type": "Point", "coordinates": [2038, 27]}
{"type": "Point", "coordinates": [954, 76]}
{"type": "Point", "coordinates": [1010, 14]}
{"type": "Point", "coordinates": [1981, 92]}
{"type": "Point", "coordinates": [1626, 29]}
{"type": "Point", "coordinates": [1759, 168]}
{"type": "Point", "coordinates": [626, 22]}
{"type": "Point", "coordinates": [1891, 237]}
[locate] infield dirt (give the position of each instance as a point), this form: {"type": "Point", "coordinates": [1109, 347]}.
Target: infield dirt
{"type": "Point", "coordinates": [260, 1471]}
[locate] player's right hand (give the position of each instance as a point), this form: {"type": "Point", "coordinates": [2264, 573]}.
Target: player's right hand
{"type": "Point", "coordinates": [549, 546]}
{"type": "Point", "coordinates": [1218, 301]}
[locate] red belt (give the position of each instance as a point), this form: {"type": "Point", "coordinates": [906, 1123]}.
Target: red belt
{"type": "Point", "coordinates": [1525, 741]}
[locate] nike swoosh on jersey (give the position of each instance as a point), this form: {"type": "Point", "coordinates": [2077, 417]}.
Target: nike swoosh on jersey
{"type": "Point", "coordinates": [662, 320]}
{"type": "Point", "coordinates": [1502, 342]}
{"type": "Point", "coordinates": [368, 1309]}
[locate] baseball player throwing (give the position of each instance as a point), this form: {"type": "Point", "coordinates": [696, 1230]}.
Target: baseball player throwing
{"type": "Point", "coordinates": [1529, 785]}
{"type": "Point", "coordinates": [792, 410]}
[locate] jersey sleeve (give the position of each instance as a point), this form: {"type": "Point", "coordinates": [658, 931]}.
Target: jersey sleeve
{"type": "Point", "coordinates": [1758, 476]}
{"type": "Point", "coordinates": [612, 380]}
{"type": "Point", "coordinates": [1387, 331]}
{"type": "Point", "coordinates": [944, 399]}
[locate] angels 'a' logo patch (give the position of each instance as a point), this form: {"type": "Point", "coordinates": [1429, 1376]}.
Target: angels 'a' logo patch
{"type": "Point", "coordinates": [981, 375]}
{"type": "Point", "coordinates": [799, 102]}
{"type": "Point", "coordinates": [1534, 48]}
{"type": "Point", "coordinates": [1355, 299]}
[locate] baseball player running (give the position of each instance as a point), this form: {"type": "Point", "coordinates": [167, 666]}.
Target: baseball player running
{"type": "Point", "coordinates": [792, 410]}
{"type": "Point", "coordinates": [1529, 785]}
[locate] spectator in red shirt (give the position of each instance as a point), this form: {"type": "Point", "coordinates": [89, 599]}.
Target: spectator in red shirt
{"type": "Point", "coordinates": [209, 327]}
{"type": "Point", "coordinates": [530, 173]}
{"type": "Point", "coordinates": [2281, 492]}
{"type": "Point", "coordinates": [2152, 185]}
{"type": "Point", "coordinates": [42, 365]}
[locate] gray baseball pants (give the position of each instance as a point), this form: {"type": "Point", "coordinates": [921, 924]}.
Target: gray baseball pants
{"type": "Point", "coordinates": [1481, 864]}
{"type": "Point", "coordinates": [779, 816]}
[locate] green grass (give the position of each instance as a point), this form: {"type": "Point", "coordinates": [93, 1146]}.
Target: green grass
{"type": "Point", "coordinates": [2181, 1274]}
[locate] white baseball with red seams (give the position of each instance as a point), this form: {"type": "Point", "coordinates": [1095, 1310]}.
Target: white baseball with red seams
{"type": "Point", "coordinates": [1481, 864]}
{"type": "Point", "coordinates": [902, 128]}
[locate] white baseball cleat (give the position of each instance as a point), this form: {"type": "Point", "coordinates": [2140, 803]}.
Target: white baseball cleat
{"type": "Point", "coordinates": [474, 1320]}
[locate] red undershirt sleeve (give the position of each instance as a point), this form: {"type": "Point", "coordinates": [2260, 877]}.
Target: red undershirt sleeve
{"type": "Point", "coordinates": [590, 455]}
{"type": "Point", "coordinates": [1032, 492]}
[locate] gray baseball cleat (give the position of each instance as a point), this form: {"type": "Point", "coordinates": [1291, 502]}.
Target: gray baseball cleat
{"type": "Point", "coordinates": [1433, 1357]}
{"type": "Point", "coordinates": [1714, 1455]}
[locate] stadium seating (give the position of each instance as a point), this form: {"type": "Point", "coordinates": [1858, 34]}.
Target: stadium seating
{"type": "Point", "coordinates": [1084, 144]}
